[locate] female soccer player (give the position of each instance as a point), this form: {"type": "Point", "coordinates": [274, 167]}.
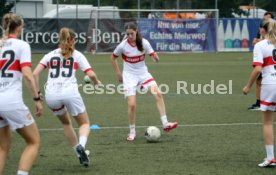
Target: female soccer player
{"type": "Point", "coordinates": [264, 61]}
{"type": "Point", "coordinates": [135, 73]}
{"type": "Point", "coordinates": [15, 63]}
{"type": "Point", "coordinates": [260, 36]}
{"type": "Point", "coordinates": [62, 92]}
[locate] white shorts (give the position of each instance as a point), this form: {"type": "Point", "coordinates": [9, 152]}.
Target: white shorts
{"type": "Point", "coordinates": [74, 105]}
{"type": "Point", "coordinates": [132, 82]}
{"type": "Point", "coordinates": [268, 97]}
{"type": "Point", "coordinates": [16, 119]}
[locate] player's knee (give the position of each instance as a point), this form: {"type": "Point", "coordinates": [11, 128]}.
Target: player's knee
{"type": "Point", "coordinates": [35, 142]}
{"type": "Point", "coordinates": [132, 107]}
{"type": "Point", "coordinates": [66, 123]}
{"type": "Point", "coordinates": [158, 95]}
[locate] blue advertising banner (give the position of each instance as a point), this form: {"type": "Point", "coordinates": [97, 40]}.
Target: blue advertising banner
{"type": "Point", "coordinates": [234, 35]}
{"type": "Point", "coordinates": [180, 35]}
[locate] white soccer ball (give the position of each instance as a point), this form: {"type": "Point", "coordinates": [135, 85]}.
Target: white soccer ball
{"type": "Point", "coordinates": [152, 134]}
{"type": "Point", "coordinates": [86, 79]}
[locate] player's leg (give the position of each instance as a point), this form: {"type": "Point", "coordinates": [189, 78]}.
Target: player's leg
{"type": "Point", "coordinates": [76, 108]}
{"type": "Point", "coordinates": [31, 136]}
{"type": "Point", "coordinates": [131, 112]}
{"type": "Point", "coordinates": [268, 99]}
{"type": "Point", "coordinates": [84, 127]}
{"type": "Point", "coordinates": [84, 130]}
{"type": "Point", "coordinates": [268, 139]}
{"type": "Point", "coordinates": [5, 144]}
{"type": "Point", "coordinates": [69, 131]}
{"type": "Point", "coordinates": [60, 110]}
{"type": "Point", "coordinates": [161, 108]}
{"type": "Point", "coordinates": [130, 86]}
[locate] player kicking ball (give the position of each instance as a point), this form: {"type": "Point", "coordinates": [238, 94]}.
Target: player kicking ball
{"type": "Point", "coordinates": [135, 74]}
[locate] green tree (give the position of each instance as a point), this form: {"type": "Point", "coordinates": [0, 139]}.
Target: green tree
{"type": "Point", "coordinates": [6, 6]}
{"type": "Point", "coordinates": [268, 5]}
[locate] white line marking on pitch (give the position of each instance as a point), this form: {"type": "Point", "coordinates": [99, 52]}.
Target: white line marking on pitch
{"type": "Point", "coordinates": [189, 125]}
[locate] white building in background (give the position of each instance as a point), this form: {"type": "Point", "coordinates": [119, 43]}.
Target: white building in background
{"type": "Point", "coordinates": [45, 9]}
{"type": "Point", "coordinates": [31, 8]}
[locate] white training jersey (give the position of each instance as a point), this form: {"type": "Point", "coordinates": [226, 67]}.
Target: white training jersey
{"type": "Point", "coordinates": [134, 60]}
{"type": "Point", "coordinates": [62, 82]}
{"type": "Point", "coordinates": [265, 55]}
{"type": "Point", "coordinates": [14, 55]}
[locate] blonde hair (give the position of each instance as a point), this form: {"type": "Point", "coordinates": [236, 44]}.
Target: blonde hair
{"type": "Point", "coordinates": [66, 36]}
{"type": "Point", "coordinates": [271, 36]}
{"type": "Point", "coordinates": [9, 23]}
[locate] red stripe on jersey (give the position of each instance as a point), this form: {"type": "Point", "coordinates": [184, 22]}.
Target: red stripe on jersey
{"type": "Point", "coordinates": [268, 103]}
{"type": "Point", "coordinates": [57, 109]}
{"type": "Point", "coordinates": [86, 70]}
{"type": "Point", "coordinates": [43, 65]}
{"type": "Point", "coordinates": [115, 56]}
{"type": "Point", "coordinates": [149, 80]}
{"type": "Point", "coordinates": [29, 64]}
{"type": "Point", "coordinates": [11, 36]}
{"type": "Point", "coordinates": [76, 65]}
{"type": "Point", "coordinates": [134, 59]}
{"type": "Point", "coordinates": [48, 64]}
{"type": "Point", "coordinates": [2, 63]}
{"type": "Point", "coordinates": [256, 64]}
{"type": "Point", "coordinates": [15, 66]}
{"type": "Point", "coordinates": [130, 43]}
{"type": "Point", "coordinates": [268, 61]}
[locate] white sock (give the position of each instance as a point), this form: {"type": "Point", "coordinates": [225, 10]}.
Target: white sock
{"type": "Point", "coordinates": [19, 172]}
{"type": "Point", "coordinates": [132, 129]}
{"type": "Point", "coordinates": [82, 141]}
{"type": "Point", "coordinates": [269, 152]}
{"type": "Point", "coordinates": [164, 120]}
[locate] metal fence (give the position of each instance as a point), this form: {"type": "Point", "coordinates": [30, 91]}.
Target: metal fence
{"type": "Point", "coordinates": [40, 8]}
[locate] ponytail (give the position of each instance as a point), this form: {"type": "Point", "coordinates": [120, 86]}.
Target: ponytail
{"type": "Point", "coordinates": [9, 23]}
{"type": "Point", "coordinates": [66, 36]}
{"type": "Point", "coordinates": [272, 32]}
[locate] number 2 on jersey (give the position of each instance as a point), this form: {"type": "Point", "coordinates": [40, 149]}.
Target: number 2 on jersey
{"type": "Point", "coordinates": [9, 55]}
{"type": "Point", "coordinates": [55, 64]}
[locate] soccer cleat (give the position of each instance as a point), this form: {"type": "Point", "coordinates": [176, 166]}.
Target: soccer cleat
{"type": "Point", "coordinates": [254, 107]}
{"type": "Point", "coordinates": [267, 163]}
{"type": "Point", "coordinates": [87, 152]}
{"type": "Point", "coordinates": [131, 137]}
{"type": "Point", "coordinates": [84, 159]}
{"type": "Point", "coordinates": [170, 126]}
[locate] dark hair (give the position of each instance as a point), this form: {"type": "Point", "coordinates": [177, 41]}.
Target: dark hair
{"type": "Point", "coordinates": [269, 13]}
{"type": "Point", "coordinates": [139, 42]}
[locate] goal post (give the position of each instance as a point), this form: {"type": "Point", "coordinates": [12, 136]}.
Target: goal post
{"type": "Point", "coordinates": [167, 30]}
